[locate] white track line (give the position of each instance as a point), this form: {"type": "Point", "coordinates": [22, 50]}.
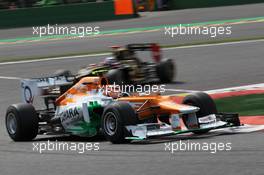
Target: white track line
{"type": "Point", "coordinates": [181, 90]}
{"type": "Point", "coordinates": [236, 88]}
{"type": "Point", "coordinates": [55, 58]}
{"type": "Point", "coordinates": [215, 44]}
{"type": "Point", "coordinates": [10, 78]}
{"type": "Point", "coordinates": [108, 53]}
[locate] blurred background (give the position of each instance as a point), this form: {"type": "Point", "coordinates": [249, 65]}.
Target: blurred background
{"type": "Point", "coordinates": [25, 13]}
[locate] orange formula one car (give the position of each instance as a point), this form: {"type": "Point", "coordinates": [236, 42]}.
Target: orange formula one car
{"type": "Point", "coordinates": [86, 110]}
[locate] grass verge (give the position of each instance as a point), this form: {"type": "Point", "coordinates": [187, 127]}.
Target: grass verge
{"type": "Point", "coordinates": [247, 105]}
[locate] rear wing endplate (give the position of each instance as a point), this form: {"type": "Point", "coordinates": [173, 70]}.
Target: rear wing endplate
{"type": "Point", "coordinates": [31, 88]}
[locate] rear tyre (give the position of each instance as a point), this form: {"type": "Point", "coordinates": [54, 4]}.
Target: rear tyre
{"type": "Point", "coordinates": [115, 118]}
{"type": "Point", "coordinates": [22, 122]}
{"type": "Point", "coordinates": [166, 70]}
{"type": "Point", "coordinates": [204, 102]}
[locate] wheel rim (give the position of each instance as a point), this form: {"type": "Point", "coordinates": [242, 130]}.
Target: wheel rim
{"type": "Point", "coordinates": [11, 123]}
{"type": "Point", "coordinates": [110, 123]}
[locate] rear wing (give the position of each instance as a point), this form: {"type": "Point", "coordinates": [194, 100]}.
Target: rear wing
{"type": "Point", "coordinates": [141, 47]}
{"type": "Point", "coordinates": [153, 47]}
{"type": "Point", "coordinates": [30, 88]}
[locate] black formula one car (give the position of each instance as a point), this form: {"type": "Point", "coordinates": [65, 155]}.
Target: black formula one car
{"type": "Point", "coordinates": [124, 67]}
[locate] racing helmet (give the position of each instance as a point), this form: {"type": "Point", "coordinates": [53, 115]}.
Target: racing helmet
{"type": "Point", "coordinates": [110, 61]}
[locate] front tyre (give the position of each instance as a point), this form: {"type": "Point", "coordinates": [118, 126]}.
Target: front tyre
{"type": "Point", "coordinates": [204, 102]}
{"type": "Point", "coordinates": [22, 122]}
{"type": "Point", "coordinates": [115, 117]}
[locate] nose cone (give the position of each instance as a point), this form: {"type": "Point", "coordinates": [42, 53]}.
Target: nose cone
{"type": "Point", "coordinates": [179, 108]}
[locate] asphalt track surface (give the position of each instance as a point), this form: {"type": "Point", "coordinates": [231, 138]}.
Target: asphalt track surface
{"type": "Point", "coordinates": [199, 68]}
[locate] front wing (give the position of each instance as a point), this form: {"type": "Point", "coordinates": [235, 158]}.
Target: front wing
{"type": "Point", "coordinates": [153, 130]}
